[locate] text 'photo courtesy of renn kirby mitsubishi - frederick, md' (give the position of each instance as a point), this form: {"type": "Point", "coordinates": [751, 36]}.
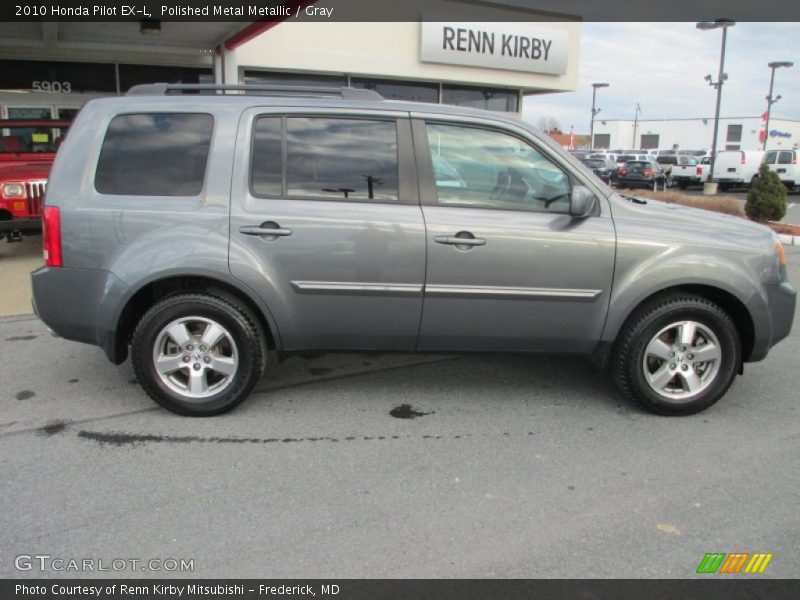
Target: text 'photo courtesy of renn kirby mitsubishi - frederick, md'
{"type": "Point", "coordinates": [423, 300]}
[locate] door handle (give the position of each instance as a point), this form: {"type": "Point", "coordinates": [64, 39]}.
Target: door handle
{"type": "Point", "coordinates": [454, 240]}
{"type": "Point", "coordinates": [268, 229]}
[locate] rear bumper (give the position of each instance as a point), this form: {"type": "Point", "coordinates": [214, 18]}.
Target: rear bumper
{"type": "Point", "coordinates": [781, 299]}
{"type": "Point", "coordinates": [80, 305]}
{"type": "Point", "coordinates": [21, 225]}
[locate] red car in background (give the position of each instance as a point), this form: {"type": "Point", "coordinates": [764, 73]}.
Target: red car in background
{"type": "Point", "coordinates": [27, 151]}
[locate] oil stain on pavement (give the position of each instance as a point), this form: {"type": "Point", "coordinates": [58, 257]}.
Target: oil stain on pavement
{"type": "Point", "coordinates": [405, 411]}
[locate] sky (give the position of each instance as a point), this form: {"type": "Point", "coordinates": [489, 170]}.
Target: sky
{"type": "Point", "coordinates": [661, 66]}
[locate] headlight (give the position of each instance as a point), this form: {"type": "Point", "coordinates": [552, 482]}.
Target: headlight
{"type": "Point", "coordinates": [13, 190]}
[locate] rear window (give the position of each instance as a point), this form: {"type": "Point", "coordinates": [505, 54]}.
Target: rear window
{"type": "Point", "coordinates": [638, 164]}
{"type": "Point", "coordinates": [667, 160]}
{"type": "Point", "coordinates": [594, 164]}
{"type": "Point", "coordinates": [155, 154]}
{"type": "Point", "coordinates": [785, 158]}
{"type": "Point", "coordinates": [625, 158]}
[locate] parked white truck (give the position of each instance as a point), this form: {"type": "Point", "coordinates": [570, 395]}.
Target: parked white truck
{"type": "Point", "coordinates": [694, 172]}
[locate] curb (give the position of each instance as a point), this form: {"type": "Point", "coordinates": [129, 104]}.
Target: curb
{"type": "Point", "coordinates": [789, 240]}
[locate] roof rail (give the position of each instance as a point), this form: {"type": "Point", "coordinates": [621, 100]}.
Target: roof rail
{"type": "Point", "coordinates": [345, 93]}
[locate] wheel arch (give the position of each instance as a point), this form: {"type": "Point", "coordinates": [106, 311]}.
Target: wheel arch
{"type": "Point", "coordinates": [150, 292]}
{"type": "Point", "coordinates": [726, 300]}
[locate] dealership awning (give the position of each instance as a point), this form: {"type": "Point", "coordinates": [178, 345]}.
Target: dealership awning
{"type": "Point", "coordinates": [168, 41]}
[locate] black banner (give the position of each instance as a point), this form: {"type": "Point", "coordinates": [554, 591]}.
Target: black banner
{"type": "Point", "coordinates": [392, 10]}
{"type": "Point", "coordinates": [730, 588]}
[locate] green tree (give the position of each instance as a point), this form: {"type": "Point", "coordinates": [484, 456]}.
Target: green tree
{"type": "Point", "coordinates": [766, 200]}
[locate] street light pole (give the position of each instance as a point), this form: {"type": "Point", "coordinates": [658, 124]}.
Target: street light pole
{"type": "Point", "coordinates": [721, 77]}
{"type": "Point", "coordinates": [594, 112]}
{"type": "Point", "coordinates": [770, 99]}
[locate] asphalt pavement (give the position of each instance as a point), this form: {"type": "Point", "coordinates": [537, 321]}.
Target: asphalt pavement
{"type": "Point", "coordinates": [393, 466]}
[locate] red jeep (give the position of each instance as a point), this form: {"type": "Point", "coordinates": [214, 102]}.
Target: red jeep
{"type": "Point", "coordinates": [27, 151]}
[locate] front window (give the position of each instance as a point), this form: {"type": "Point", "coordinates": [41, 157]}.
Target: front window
{"type": "Point", "coordinates": [488, 169]}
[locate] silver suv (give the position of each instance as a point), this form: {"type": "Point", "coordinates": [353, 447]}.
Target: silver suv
{"type": "Point", "coordinates": [196, 231]}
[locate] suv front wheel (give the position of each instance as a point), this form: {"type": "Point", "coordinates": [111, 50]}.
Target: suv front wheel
{"type": "Point", "coordinates": [677, 355]}
{"type": "Point", "coordinates": [197, 354]}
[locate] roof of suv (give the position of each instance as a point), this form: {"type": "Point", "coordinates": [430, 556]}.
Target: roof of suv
{"type": "Point", "coordinates": [293, 96]}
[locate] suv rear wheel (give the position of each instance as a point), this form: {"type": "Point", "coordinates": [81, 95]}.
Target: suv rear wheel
{"type": "Point", "coordinates": [197, 354]}
{"type": "Point", "coordinates": [677, 355]}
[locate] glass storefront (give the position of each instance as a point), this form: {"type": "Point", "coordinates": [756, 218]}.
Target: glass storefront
{"type": "Point", "coordinates": [487, 98]}
{"type": "Point", "coordinates": [497, 99]}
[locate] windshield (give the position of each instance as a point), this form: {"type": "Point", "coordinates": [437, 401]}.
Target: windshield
{"type": "Point", "coordinates": [35, 137]}
{"type": "Point", "coordinates": [625, 158]}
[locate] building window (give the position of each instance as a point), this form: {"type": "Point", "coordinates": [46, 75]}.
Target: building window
{"type": "Point", "coordinates": [131, 75]}
{"type": "Point", "coordinates": [732, 147]}
{"type": "Point", "coordinates": [154, 154]}
{"type": "Point", "coordinates": [391, 89]}
{"type": "Point", "coordinates": [602, 140]}
{"type": "Point", "coordinates": [649, 140]}
{"type": "Point", "coordinates": [500, 100]}
{"type": "Point", "coordinates": [56, 76]}
{"type": "Point", "coordinates": [734, 134]}
{"type": "Point", "coordinates": [299, 79]}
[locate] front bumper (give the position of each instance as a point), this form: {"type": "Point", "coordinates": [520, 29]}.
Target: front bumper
{"type": "Point", "coordinates": [781, 300]}
{"type": "Point", "coordinates": [21, 225]}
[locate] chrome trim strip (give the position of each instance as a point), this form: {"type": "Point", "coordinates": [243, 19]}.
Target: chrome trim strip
{"type": "Point", "coordinates": [526, 292]}
{"type": "Point", "coordinates": [339, 287]}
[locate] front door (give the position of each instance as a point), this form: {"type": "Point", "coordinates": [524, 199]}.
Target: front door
{"type": "Point", "coordinates": [508, 268]}
{"type": "Point", "coordinates": [326, 227]}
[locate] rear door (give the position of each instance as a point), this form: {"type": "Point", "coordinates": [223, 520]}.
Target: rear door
{"type": "Point", "coordinates": [508, 269]}
{"type": "Point", "coordinates": [326, 226]}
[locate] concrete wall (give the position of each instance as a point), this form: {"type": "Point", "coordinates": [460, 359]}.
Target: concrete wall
{"type": "Point", "coordinates": [388, 50]}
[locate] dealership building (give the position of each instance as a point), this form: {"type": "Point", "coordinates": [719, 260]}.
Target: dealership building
{"type": "Point", "coordinates": [735, 133]}
{"type": "Point", "coordinates": [49, 69]}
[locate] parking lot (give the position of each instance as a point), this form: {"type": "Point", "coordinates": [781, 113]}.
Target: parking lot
{"type": "Point", "coordinates": [393, 466]}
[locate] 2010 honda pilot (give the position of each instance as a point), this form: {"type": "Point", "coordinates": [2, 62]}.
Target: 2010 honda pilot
{"type": "Point", "coordinates": [196, 231]}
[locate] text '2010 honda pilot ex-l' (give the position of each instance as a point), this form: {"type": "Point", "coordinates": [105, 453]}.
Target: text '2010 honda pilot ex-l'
{"type": "Point", "coordinates": [197, 231]}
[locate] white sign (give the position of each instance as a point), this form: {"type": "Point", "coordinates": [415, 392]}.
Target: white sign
{"type": "Point", "coordinates": [512, 46]}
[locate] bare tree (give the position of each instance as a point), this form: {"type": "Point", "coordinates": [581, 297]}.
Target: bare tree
{"type": "Point", "coordinates": [548, 125]}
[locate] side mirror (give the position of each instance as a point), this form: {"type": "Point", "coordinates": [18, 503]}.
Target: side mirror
{"type": "Point", "coordinates": [582, 202]}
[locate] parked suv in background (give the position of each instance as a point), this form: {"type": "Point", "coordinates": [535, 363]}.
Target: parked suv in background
{"type": "Point", "coordinates": [641, 174]}
{"type": "Point", "coordinates": [196, 231]}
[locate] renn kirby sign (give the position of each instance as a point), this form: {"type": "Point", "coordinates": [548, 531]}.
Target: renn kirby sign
{"type": "Point", "coordinates": [511, 46]}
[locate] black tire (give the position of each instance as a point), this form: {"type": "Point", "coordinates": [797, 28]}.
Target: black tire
{"type": "Point", "coordinates": [682, 185]}
{"type": "Point", "coordinates": [754, 180]}
{"type": "Point", "coordinates": [724, 187]}
{"type": "Point", "coordinates": [645, 323]}
{"type": "Point", "coordinates": [238, 321]}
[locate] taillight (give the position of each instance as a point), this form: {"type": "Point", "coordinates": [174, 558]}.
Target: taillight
{"type": "Point", "coordinates": [51, 236]}
{"type": "Point", "coordinates": [743, 160]}
{"type": "Point", "coordinates": [698, 171]}
{"type": "Point", "coordinates": [622, 171]}
{"type": "Point", "coordinates": [649, 172]}
{"type": "Point", "coordinates": [794, 158]}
